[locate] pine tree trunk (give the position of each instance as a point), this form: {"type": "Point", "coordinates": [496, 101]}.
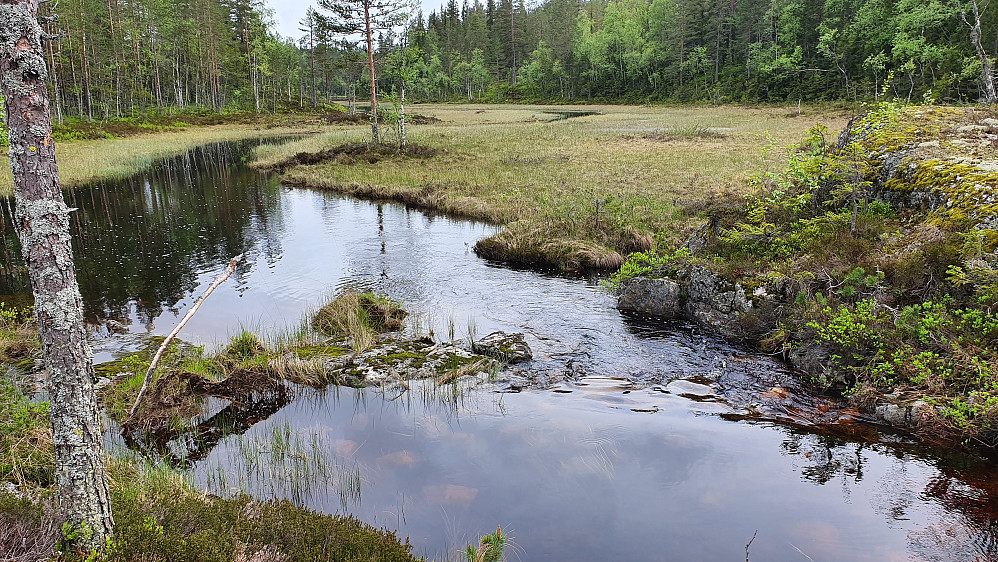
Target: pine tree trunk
{"type": "Point", "coordinates": [42, 220]}
{"type": "Point", "coordinates": [370, 66]}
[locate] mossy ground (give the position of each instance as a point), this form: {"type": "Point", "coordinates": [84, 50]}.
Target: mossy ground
{"type": "Point", "coordinates": [575, 193]}
{"type": "Point", "coordinates": [894, 294]}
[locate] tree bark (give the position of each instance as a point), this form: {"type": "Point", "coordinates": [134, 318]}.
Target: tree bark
{"type": "Point", "coordinates": [370, 66]}
{"type": "Point", "coordinates": [987, 74]}
{"type": "Point", "coordinates": [402, 139]}
{"type": "Point", "coordinates": [42, 221]}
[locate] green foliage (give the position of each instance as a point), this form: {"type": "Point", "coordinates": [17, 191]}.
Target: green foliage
{"type": "Point", "coordinates": [643, 263]}
{"type": "Point", "coordinates": [26, 454]}
{"type": "Point", "coordinates": [489, 548]}
{"type": "Point", "coordinates": [159, 516]}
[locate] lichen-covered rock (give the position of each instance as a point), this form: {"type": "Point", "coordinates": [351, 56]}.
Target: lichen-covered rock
{"type": "Point", "coordinates": [652, 297]}
{"type": "Point", "coordinates": [700, 295]}
{"type": "Point", "coordinates": [714, 302]}
{"type": "Point", "coordinates": [907, 416]}
{"type": "Point", "coordinates": [510, 348]}
{"type": "Point", "coordinates": [401, 360]}
{"type": "Point", "coordinates": [810, 358]}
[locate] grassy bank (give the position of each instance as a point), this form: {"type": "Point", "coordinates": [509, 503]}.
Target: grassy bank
{"type": "Point", "coordinates": [574, 193]}
{"type": "Point", "coordinates": [158, 513]}
{"type": "Point", "coordinates": [872, 266]}
{"type": "Point", "coordinates": [87, 151]}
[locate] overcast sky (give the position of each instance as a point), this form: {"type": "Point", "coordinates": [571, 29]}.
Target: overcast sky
{"type": "Point", "coordinates": [289, 12]}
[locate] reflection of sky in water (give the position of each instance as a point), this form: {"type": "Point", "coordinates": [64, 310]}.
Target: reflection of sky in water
{"type": "Point", "coordinates": [579, 475]}
{"type": "Point", "coordinates": [573, 479]}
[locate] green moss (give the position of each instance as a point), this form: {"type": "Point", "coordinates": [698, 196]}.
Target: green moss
{"type": "Point", "coordinates": [410, 358]}
{"type": "Point", "coordinates": [453, 362]}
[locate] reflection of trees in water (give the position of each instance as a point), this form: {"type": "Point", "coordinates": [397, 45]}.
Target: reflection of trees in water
{"type": "Point", "coordinates": [964, 528]}
{"type": "Point", "coordinates": [972, 494]}
{"type": "Point", "coordinates": [826, 458]}
{"type": "Point", "coordinates": [184, 448]}
{"type": "Point", "coordinates": [144, 240]}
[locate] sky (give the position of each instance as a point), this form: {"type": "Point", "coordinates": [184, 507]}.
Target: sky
{"type": "Point", "coordinates": [289, 12]}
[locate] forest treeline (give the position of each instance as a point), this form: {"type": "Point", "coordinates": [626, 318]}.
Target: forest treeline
{"type": "Point", "coordinates": [704, 50]}
{"type": "Point", "coordinates": [116, 58]}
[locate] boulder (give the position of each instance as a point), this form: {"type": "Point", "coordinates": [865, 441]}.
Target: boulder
{"type": "Point", "coordinates": [652, 297]}
{"type": "Point", "coordinates": [510, 348]}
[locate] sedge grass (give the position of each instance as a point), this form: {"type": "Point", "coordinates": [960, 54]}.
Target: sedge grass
{"type": "Point", "coordinates": [576, 192]}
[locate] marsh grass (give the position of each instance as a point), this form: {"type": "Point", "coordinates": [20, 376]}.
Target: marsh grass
{"type": "Point", "coordinates": [160, 515]}
{"type": "Point", "coordinates": [359, 317]}
{"type": "Point", "coordinates": [572, 193]}
{"type": "Point", "coordinates": [282, 461]}
{"type": "Point", "coordinates": [26, 451]}
{"type": "Point", "coordinates": [18, 334]}
{"type": "Point", "coordinates": [84, 161]}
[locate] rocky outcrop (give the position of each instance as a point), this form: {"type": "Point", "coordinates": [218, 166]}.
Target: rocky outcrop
{"type": "Point", "coordinates": [391, 361]}
{"type": "Point", "coordinates": [697, 294]}
{"type": "Point", "coordinates": [508, 348]}
{"type": "Point", "coordinates": [661, 298]}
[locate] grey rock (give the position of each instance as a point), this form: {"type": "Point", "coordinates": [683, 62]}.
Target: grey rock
{"type": "Point", "coordinates": [510, 348]}
{"type": "Point", "coordinates": [812, 359]}
{"type": "Point", "coordinates": [653, 297]}
{"type": "Point", "coordinates": [714, 302]}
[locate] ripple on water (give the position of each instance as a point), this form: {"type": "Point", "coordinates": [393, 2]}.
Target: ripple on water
{"type": "Point", "coordinates": [615, 443]}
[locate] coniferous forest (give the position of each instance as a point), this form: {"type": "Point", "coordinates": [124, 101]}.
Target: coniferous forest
{"type": "Point", "coordinates": [118, 57]}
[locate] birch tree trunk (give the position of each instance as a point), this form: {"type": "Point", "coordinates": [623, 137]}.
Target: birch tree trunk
{"type": "Point", "coordinates": [42, 221]}
{"type": "Point", "coordinates": [987, 74]}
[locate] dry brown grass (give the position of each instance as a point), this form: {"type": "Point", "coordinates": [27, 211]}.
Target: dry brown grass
{"type": "Point", "coordinates": [575, 192]}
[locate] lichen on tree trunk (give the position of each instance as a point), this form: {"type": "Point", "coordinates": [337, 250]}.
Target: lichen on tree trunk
{"type": "Point", "coordinates": [42, 222]}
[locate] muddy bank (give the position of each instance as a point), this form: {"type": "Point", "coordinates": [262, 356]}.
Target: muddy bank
{"type": "Point", "coordinates": [870, 267]}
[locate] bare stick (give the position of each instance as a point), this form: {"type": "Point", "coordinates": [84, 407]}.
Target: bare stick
{"type": "Point", "coordinates": [752, 540]}
{"type": "Point", "coordinates": [229, 269]}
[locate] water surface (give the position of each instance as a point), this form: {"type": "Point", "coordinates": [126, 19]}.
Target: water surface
{"type": "Point", "coordinates": [623, 439]}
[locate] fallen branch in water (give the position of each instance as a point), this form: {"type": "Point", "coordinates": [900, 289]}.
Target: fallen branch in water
{"type": "Point", "coordinates": [229, 269]}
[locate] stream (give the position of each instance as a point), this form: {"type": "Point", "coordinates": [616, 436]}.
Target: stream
{"type": "Point", "coordinates": [623, 439]}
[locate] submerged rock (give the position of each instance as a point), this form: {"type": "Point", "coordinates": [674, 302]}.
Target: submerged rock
{"type": "Point", "coordinates": [510, 348]}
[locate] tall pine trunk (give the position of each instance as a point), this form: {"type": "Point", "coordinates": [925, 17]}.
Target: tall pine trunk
{"type": "Point", "coordinates": [42, 221]}
{"type": "Point", "coordinates": [370, 66]}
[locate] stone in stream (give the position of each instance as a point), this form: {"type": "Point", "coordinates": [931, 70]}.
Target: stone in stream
{"type": "Point", "coordinates": [654, 297]}
{"type": "Point", "coordinates": [510, 348]}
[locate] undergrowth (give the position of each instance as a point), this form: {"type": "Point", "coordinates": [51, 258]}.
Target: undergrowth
{"type": "Point", "coordinates": [895, 297]}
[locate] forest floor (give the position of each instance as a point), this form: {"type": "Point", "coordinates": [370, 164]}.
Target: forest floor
{"type": "Point", "coordinates": [88, 151]}
{"type": "Point", "coordinates": [578, 187]}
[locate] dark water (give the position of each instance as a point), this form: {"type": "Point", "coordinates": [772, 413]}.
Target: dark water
{"type": "Point", "coordinates": [622, 440]}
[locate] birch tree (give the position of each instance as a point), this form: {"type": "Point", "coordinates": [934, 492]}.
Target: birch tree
{"type": "Point", "coordinates": [42, 222]}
